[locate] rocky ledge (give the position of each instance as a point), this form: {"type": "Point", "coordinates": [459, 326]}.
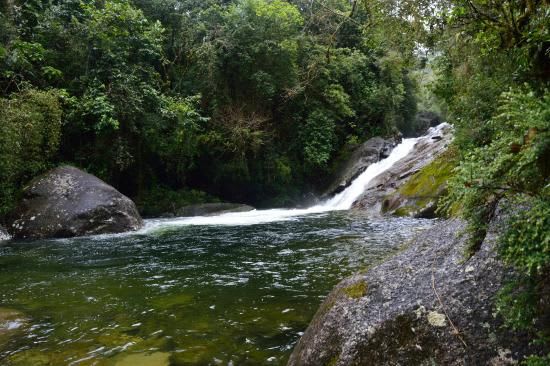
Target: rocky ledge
{"type": "Point", "coordinates": [370, 152]}
{"type": "Point", "coordinates": [67, 202]}
{"type": "Point", "coordinates": [388, 193]}
{"type": "Point", "coordinates": [428, 305]}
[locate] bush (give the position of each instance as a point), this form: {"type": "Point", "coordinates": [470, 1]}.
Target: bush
{"type": "Point", "coordinates": [515, 163]}
{"type": "Point", "coordinates": [30, 130]}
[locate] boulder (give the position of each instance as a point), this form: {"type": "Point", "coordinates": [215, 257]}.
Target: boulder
{"type": "Point", "coordinates": [380, 196]}
{"type": "Point", "coordinates": [428, 305]}
{"type": "Point", "coordinates": [210, 209]}
{"type": "Point", "coordinates": [370, 152]}
{"type": "Point", "coordinates": [67, 202]}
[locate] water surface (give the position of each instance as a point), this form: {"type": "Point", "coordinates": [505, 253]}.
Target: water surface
{"type": "Point", "coordinates": [234, 289]}
{"type": "Point", "coordinates": [185, 295]}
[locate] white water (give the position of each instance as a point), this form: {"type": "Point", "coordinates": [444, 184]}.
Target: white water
{"type": "Point", "coordinates": [342, 201]}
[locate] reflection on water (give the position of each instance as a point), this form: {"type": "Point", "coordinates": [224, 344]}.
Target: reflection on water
{"type": "Point", "coordinates": [184, 295]}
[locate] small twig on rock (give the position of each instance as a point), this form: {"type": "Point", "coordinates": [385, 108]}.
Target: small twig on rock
{"type": "Point", "coordinates": [456, 331]}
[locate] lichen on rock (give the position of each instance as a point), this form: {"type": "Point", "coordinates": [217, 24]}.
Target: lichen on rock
{"type": "Point", "coordinates": [436, 319]}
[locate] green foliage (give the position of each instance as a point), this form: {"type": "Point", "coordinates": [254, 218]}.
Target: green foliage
{"type": "Point", "coordinates": [175, 138]}
{"type": "Point", "coordinates": [513, 165]}
{"type": "Point", "coordinates": [515, 162]}
{"type": "Point", "coordinates": [492, 80]}
{"type": "Point", "coordinates": [318, 137]}
{"type": "Point", "coordinates": [516, 303]}
{"type": "Point", "coordinates": [526, 243]}
{"type": "Point", "coordinates": [162, 200]}
{"type": "Point", "coordinates": [30, 131]}
{"type": "Point", "coordinates": [537, 360]}
{"type": "Point", "coordinates": [95, 105]}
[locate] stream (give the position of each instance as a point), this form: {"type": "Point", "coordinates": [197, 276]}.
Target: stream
{"type": "Point", "coordinates": [233, 289]}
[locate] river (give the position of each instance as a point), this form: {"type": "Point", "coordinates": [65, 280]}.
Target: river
{"type": "Point", "coordinates": [234, 289]}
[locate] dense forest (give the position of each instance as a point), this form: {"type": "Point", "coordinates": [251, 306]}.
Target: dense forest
{"type": "Point", "coordinates": [245, 100]}
{"type": "Point", "coordinates": [257, 101]}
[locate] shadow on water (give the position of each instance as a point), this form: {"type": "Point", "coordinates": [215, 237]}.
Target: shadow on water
{"type": "Point", "coordinates": [184, 295]}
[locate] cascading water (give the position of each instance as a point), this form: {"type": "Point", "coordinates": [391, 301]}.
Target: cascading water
{"type": "Point", "coordinates": [342, 201]}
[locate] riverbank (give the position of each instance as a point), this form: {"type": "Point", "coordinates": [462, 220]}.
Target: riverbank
{"type": "Point", "coordinates": [429, 304]}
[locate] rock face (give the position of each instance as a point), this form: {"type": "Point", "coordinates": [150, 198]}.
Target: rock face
{"type": "Point", "coordinates": [208, 209]}
{"type": "Point", "coordinates": [428, 305]}
{"type": "Point", "coordinates": [67, 202]}
{"type": "Point", "coordinates": [425, 120]}
{"type": "Point", "coordinates": [368, 153]}
{"type": "Point", "coordinates": [419, 195]}
{"type": "Point", "coordinates": [379, 196]}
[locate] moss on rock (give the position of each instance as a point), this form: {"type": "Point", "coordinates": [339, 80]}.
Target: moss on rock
{"type": "Point", "coordinates": [357, 290]}
{"type": "Point", "coordinates": [419, 195]}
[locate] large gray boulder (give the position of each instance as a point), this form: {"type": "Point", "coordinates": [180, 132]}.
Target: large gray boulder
{"type": "Point", "coordinates": [428, 305]}
{"type": "Point", "coordinates": [67, 202]}
{"type": "Point", "coordinates": [378, 197]}
{"type": "Point", "coordinates": [370, 152]}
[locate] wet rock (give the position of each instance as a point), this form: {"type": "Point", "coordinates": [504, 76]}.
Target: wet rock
{"type": "Point", "coordinates": [382, 195]}
{"type": "Point", "coordinates": [209, 209]}
{"type": "Point", "coordinates": [12, 323]}
{"type": "Point", "coordinates": [426, 305]}
{"type": "Point", "coordinates": [425, 120]}
{"type": "Point", "coordinates": [368, 153]}
{"type": "Point", "coordinates": [67, 202]}
{"type": "Point", "coordinates": [419, 195]}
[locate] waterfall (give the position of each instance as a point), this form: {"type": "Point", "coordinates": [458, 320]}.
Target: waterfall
{"type": "Point", "coordinates": [341, 201]}
{"type": "Point", "coordinates": [344, 199]}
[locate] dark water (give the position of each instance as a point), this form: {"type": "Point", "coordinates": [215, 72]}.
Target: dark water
{"type": "Point", "coordinates": [192, 295]}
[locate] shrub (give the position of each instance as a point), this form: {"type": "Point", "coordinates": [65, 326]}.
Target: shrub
{"type": "Point", "coordinates": [30, 130]}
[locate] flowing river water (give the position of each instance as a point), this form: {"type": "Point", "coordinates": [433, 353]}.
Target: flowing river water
{"type": "Point", "coordinates": [234, 289]}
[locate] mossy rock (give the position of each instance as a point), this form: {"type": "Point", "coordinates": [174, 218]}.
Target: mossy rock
{"type": "Point", "coordinates": [356, 290]}
{"type": "Point", "coordinates": [419, 195]}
